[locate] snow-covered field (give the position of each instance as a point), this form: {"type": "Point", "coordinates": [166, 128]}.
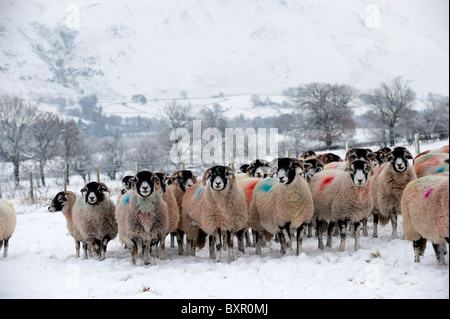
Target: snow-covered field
{"type": "Point", "coordinates": [42, 264]}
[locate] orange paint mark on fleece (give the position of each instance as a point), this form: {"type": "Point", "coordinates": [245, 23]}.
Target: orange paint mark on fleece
{"type": "Point", "coordinates": [325, 182]}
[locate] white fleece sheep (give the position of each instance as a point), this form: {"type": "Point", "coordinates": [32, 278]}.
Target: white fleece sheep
{"type": "Point", "coordinates": [94, 217]}
{"type": "Point", "coordinates": [282, 202]}
{"type": "Point", "coordinates": [7, 224]}
{"type": "Point", "coordinates": [142, 217]}
{"type": "Point", "coordinates": [342, 197]}
{"type": "Point", "coordinates": [217, 205]}
{"type": "Point", "coordinates": [425, 207]}
{"type": "Point", "coordinates": [388, 184]}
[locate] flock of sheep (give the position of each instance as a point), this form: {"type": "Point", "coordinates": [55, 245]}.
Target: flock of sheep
{"type": "Point", "coordinates": [279, 198]}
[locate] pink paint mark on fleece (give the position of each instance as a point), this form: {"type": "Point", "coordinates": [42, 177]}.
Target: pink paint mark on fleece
{"type": "Point", "coordinates": [428, 193]}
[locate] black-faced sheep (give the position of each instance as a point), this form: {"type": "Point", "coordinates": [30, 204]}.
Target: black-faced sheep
{"type": "Point", "coordinates": [388, 184]}
{"type": "Point", "coordinates": [142, 217]}
{"type": "Point", "coordinates": [217, 206]}
{"type": "Point", "coordinates": [64, 202]}
{"type": "Point", "coordinates": [425, 207]}
{"type": "Point", "coordinates": [282, 202]}
{"type": "Point", "coordinates": [342, 197]}
{"type": "Point", "coordinates": [7, 224]}
{"type": "Point", "coordinates": [172, 205]}
{"type": "Point", "coordinates": [182, 180]}
{"type": "Point", "coordinates": [94, 217]}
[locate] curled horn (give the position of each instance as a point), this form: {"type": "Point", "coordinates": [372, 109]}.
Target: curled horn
{"type": "Point", "coordinates": [156, 181]}
{"type": "Point", "coordinates": [205, 176]}
{"type": "Point", "coordinates": [231, 171]}
{"type": "Point", "coordinates": [104, 187]}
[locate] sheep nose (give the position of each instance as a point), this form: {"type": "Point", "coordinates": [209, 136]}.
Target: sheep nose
{"type": "Point", "coordinates": [145, 188]}
{"type": "Point", "coordinates": [360, 181]}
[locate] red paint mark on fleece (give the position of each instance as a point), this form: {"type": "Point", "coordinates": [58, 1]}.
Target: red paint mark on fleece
{"type": "Point", "coordinates": [325, 182]}
{"type": "Point", "coordinates": [249, 192]}
{"type": "Point", "coordinates": [428, 193]}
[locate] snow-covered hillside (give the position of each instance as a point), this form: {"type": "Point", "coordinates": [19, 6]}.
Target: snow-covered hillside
{"type": "Point", "coordinates": [160, 48]}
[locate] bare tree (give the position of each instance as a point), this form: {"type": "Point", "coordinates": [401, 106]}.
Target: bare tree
{"type": "Point", "coordinates": [73, 142]}
{"type": "Point", "coordinates": [46, 131]}
{"type": "Point", "coordinates": [176, 115]}
{"type": "Point", "coordinates": [326, 110]}
{"type": "Point", "coordinates": [392, 100]}
{"type": "Point", "coordinates": [114, 151]}
{"type": "Point", "coordinates": [16, 115]}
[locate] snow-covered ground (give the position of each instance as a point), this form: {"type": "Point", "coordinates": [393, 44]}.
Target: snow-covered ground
{"type": "Point", "coordinates": [42, 264]}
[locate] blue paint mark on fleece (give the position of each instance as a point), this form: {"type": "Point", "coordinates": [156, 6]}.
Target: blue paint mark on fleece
{"type": "Point", "coordinates": [265, 185]}
{"type": "Point", "coordinates": [127, 198]}
{"type": "Point", "coordinates": [199, 191]}
{"type": "Point", "coordinates": [441, 170]}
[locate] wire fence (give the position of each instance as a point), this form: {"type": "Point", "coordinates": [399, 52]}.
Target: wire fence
{"type": "Point", "coordinates": [32, 189]}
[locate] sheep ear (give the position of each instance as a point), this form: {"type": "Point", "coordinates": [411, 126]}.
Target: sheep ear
{"type": "Point", "coordinates": [83, 190]}
{"type": "Point", "coordinates": [206, 176]}
{"type": "Point", "coordinates": [231, 172]}
{"type": "Point", "coordinates": [133, 181]}
{"type": "Point", "coordinates": [194, 178]}
{"type": "Point", "coordinates": [408, 155]}
{"type": "Point", "coordinates": [307, 166]}
{"type": "Point", "coordinates": [156, 181]}
{"type": "Point", "coordinates": [351, 157]}
{"type": "Point", "coordinates": [389, 157]}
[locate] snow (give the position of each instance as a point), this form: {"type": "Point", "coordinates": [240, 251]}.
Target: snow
{"type": "Point", "coordinates": [42, 264]}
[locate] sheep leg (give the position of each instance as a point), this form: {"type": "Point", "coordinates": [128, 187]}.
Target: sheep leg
{"type": "Point", "coordinates": [343, 231]}
{"type": "Point", "coordinates": [172, 240]}
{"type": "Point", "coordinates": [231, 256]}
{"type": "Point", "coordinates": [357, 235]}
{"type": "Point", "coordinates": [393, 217]}
{"type": "Point", "coordinates": [139, 251]}
{"type": "Point", "coordinates": [240, 235]}
{"type": "Point", "coordinates": [375, 225]}
{"type": "Point", "coordinates": [219, 244]}
{"type": "Point", "coordinates": [319, 232]}
{"type": "Point", "coordinates": [77, 248]}
{"type": "Point", "coordinates": [180, 236]}
{"type": "Point", "coordinates": [248, 242]}
{"type": "Point", "coordinates": [85, 249]}
{"type": "Point", "coordinates": [285, 238]}
{"type": "Point", "coordinates": [364, 227]}
{"type": "Point", "coordinates": [416, 247]}
{"type": "Point", "coordinates": [5, 247]}
{"type": "Point", "coordinates": [310, 232]}
{"type": "Point", "coordinates": [330, 233]}
{"type": "Point", "coordinates": [439, 254]}
{"type": "Point", "coordinates": [258, 241]}
{"type": "Point", "coordinates": [103, 246]}
{"type": "Point", "coordinates": [300, 234]}
{"type": "Point", "coordinates": [212, 243]}
{"type": "Point", "coordinates": [162, 245]}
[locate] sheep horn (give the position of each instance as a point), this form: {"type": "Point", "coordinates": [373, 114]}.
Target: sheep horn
{"type": "Point", "coordinates": [204, 176]}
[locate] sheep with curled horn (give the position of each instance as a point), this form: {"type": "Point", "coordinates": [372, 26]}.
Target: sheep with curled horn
{"type": "Point", "coordinates": [388, 183]}
{"type": "Point", "coordinates": [217, 206]}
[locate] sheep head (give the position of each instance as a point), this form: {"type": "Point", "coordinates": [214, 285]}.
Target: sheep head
{"type": "Point", "coordinates": [94, 192]}
{"type": "Point", "coordinates": [59, 201]}
{"type": "Point", "coordinates": [184, 179]}
{"type": "Point", "coordinates": [286, 169]}
{"type": "Point", "coordinates": [399, 157]}
{"type": "Point", "coordinates": [219, 177]}
{"type": "Point", "coordinates": [258, 168]}
{"type": "Point", "coordinates": [359, 171]}
{"type": "Point", "coordinates": [145, 183]}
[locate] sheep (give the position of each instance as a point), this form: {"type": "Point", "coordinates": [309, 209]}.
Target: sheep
{"type": "Point", "coordinates": [94, 216]}
{"type": "Point", "coordinates": [316, 166]}
{"type": "Point", "coordinates": [342, 197]}
{"type": "Point", "coordinates": [257, 168]}
{"type": "Point", "coordinates": [172, 205]}
{"type": "Point", "coordinates": [181, 180]}
{"type": "Point", "coordinates": [142, 217]}
{"type": "Point", "coordinates": [64, 202]}
{"type": "Point", "coordinates": [443, 149]}
{"type": "Point", "coordinates": [431, 163]}
{"type": "Point", "coordinates": [388, 184]}
{"type": "Point", "coordinates": [7, 224]}
{"type": "Point", "coordinates": [425, 207]}
{"type": "Point", "coordinates": [280, 203]}
{"type": "Point", "coordinates": [217, 205]}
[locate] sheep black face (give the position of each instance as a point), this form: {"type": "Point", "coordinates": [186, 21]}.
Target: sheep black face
{"type": "Point", "coordinates": [316, 166]}
{"type": "Point", "coordinates": [145, 183]}
{"type": "Point", "coordinates": [57, 203]}
{"type": "Point", "coordinates": [185, 179]}
{"type": "Point", "coordinates": [218, 177]}
{"type": "Point", "coordinates": [163, 180]}
{"type": "Point", "coordinates": [94, 193]}
{"type": "Point", "coordinates": [258, 168]}
{"type": "Point", "coordinates": [286, 169]}
{"type": "Point", "coordinates": [359, 172]}
{"type": "Point", "coordinates": [399, 157]}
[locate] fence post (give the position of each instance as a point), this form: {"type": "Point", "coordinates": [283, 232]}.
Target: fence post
{"type": "Point", "coordinates": [65, 179]}
{"type": "Point", "coordinates": [0, 189]}
{"type": "Point", "coordinates": [417, 143]}
{"type": "Point", "coordinates": [97, 171]}
{"type": "Point", "coordinates": [183, 166]}
{"type": "Point", "coordinates": [31, 187]}
{"type": "Point", "coordinates": [347, 147]}
{"type": "Point", "coordinates": [288, 152]}
{"type": "Point", "coordinates": [137, 167]}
